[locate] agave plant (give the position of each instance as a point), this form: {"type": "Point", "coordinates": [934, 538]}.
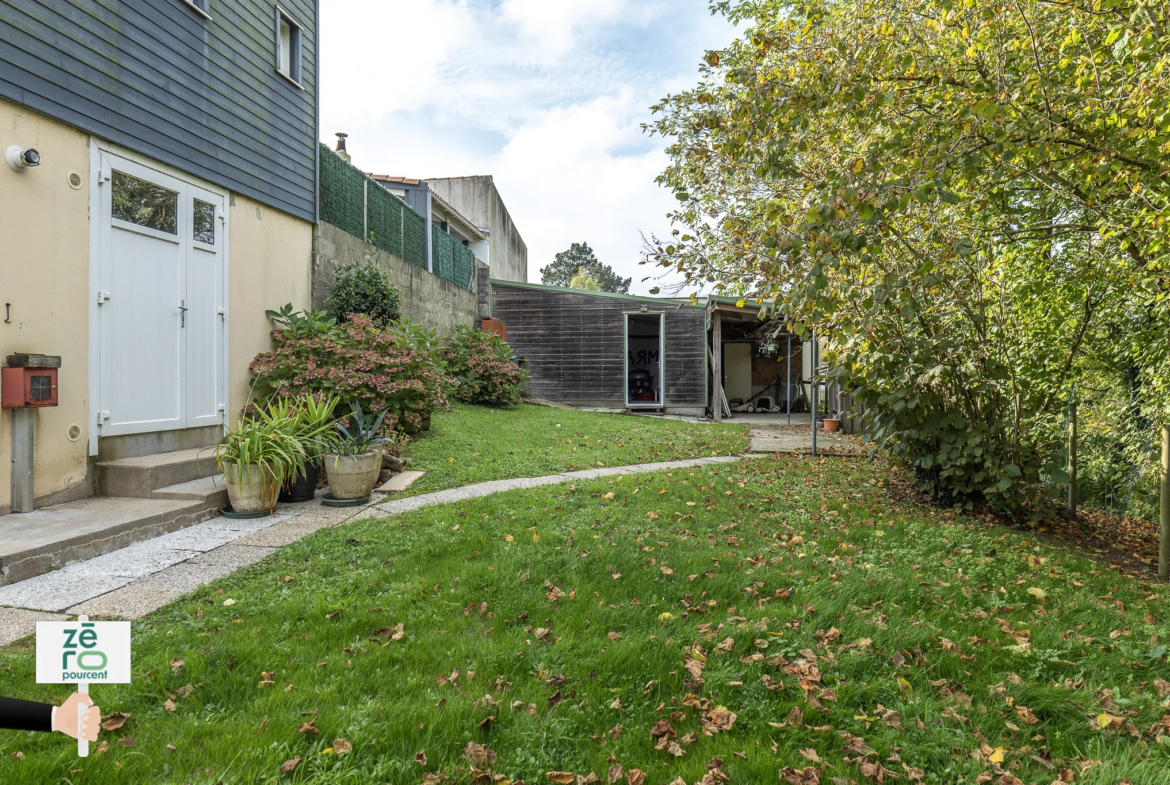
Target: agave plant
{"type": "Point", "coordinates": [362, 435]}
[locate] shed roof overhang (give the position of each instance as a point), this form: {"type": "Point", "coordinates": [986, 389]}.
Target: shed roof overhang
{"type": "Point", "coordinates": [671, 302]}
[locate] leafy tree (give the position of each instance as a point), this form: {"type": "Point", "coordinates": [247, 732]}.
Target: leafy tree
{"type": "Point", "coordinates": [583, 280]}
{"type": "Point", "coordinates": [579, 256]}
{"type": "Point", "coordinates": [959, 195]}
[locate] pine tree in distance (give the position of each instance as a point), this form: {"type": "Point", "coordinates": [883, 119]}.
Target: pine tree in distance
{"type": "Point", "coordinates": [580, 257]}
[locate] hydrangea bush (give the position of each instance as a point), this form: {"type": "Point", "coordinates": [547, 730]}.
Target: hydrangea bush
{"type": "Point", "coordinates": [481, 364]}
{"type": "Point", "coordinates": [380, 369]}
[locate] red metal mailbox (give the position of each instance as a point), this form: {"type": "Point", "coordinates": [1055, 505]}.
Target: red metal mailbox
{"type": "Point", "coordinates": [29, 381]}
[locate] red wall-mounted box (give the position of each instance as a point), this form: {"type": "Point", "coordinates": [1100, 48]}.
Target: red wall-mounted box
{"type": "Point", "coordinates": [26, 388]}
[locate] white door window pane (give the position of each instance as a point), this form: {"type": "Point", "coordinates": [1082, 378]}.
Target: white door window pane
{"type": "Point", "coordinates": [204, 221]}
{"type": "Point", "coordinates": [146, 204]}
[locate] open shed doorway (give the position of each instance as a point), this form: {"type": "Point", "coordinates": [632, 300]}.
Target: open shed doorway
{"type": "Point", "coordinates": [645, 347]}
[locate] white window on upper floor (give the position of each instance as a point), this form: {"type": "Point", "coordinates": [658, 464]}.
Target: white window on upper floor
{"type": "Point", "coordinates": [288, 47]}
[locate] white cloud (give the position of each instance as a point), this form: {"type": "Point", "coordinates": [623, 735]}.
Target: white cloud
{"type": "Point", "coordinates": [551, 28]}
{"type": "Point", "coordinates": [545, 95]}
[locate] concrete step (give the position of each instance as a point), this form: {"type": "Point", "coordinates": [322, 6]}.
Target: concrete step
{"type": "Point", "coordinates": [210, 490]}
{"type": "Point", "coordinates": [49, 538]}
{"type": "Point", "coordinates": [139, 477]}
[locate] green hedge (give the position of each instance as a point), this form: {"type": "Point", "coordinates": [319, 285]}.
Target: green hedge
{"type": "Point", "coordinates": [384, 216]}
{"type": "Point", "coordinates": [414, 239]}
{"type": "Point", "coordinates": [442, 254]}
{"type": "Point", "coordinates": [359, 205]}
{"type": "Point", "coordinates": [342, 197]}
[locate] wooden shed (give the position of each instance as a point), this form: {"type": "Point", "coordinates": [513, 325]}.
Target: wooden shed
{"type": "Point", "coordinates": [608, 350]}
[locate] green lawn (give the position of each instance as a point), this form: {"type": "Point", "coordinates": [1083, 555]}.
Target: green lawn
{"type": "Point", "coordinates": [471, 444]}
{"type": "Point", "coordinates": [782, 605]}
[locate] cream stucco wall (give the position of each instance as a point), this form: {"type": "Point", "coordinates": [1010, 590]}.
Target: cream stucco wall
{"type": "Point", "coordinates": [44, 274]}
{"type": "Point", "coordinates": [269, 265]}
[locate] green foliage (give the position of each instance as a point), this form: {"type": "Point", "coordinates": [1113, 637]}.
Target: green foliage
{"type": "Point", "coordinates": [414, 238]}
{"type": "Point", "coordinates": [357, 362]}
{"type": "Point", "coordinates": [363, 432]}
{"type": "Point", "coordinates": [568, 264]}
{"type": "Point", "coordinates": [960, 197]}
{"type": "Point", "coordinates": [308, 418]}
{"type": "Point", "coordinates": [362, 287]}
{"type": "Point", "coordinates": [342, 192]}
{"type": "Point", "coordinates": [495, 443]}
{"type": "Point", "coordinates": [482, 366]}
{"type": "Point", "coordinates": [583, 280]}
{"type": "Point", "coordinates": [269, 441]}
{"type": "Point", "coordinates": [384, 219]}
{"type": "Point", "coordinates": [870, 590]}
{"type": "Point", "coordinates": [301, 323]}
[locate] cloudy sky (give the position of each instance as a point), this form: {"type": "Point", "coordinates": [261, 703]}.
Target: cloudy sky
{"type": "Point", "coordinates": [546, 95]}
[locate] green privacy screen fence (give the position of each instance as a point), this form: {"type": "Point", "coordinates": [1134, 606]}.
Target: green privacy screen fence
{"type": "Point", "coordinates": [358, 205]}
{"type": "Point", "coordinates": [454, 261]}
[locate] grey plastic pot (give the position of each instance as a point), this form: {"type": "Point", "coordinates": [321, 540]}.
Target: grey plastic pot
{"type": "Point", "coordinates": [353, 476]}
{"type": "Point", "coordinates": [255, 491]}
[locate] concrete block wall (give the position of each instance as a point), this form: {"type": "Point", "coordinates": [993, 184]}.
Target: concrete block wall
{"type": "Point", "coordinates": [426, 298]}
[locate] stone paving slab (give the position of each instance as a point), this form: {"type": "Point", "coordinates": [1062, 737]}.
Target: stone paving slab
{"type": "Point", "coordinates": [17, 623]}
{"type": "Point", "coordinates": [138, 560]}
{"type": "Point", "coordinates": [400, 482]}
{"type": "Point", "coordinates": [56, 591]}
{"type": "Point", "coordinates": [185, 578]}
{"type": "Point", "coordinates": [128, 602]}
{"type": "Point", "coordinates": [285, 532]}
{"type": "Point", "coordinates": [233, 555]}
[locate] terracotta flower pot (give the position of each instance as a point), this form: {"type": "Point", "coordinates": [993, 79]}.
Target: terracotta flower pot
{"type": "Point", "coordinates": [255, 491]}
{"type": "Point", "coordinates": [353, 476]}
{"type": "Point", "coordinates": [832, 425]}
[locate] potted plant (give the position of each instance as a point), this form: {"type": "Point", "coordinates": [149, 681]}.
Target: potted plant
{"type": "Point", "coordinates": [256, 459]}
{"type": "Point", "coordinates": [832, 424]}
{"type": "Point", "coordinates": [311, 419]}
{"type": "Point", "coordinates": [356, 461]}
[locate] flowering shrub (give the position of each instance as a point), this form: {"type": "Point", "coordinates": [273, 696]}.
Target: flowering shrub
{"type": "Point", "coordinates": [358, 363]}
{"type": "Point", "coordinates": [482, 365]}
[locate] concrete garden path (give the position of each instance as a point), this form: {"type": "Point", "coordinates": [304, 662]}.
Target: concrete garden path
{"type": "Point", "coordinates": [137, 580]}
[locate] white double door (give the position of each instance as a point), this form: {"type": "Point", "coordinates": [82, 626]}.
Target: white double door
{"type": "Point", "coordinates": [162, 301]}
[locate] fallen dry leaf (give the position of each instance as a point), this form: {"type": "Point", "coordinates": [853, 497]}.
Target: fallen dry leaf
{"type": "Point", "coordinates": [421, 758]}
{"type": "Point", "coordinates": [289, 765]}
{"type": "Point", "coordinates": [169, 705]}
{"type": "Point", "coordinates": [176, 664]}
{"type": "Point", "coordinates": [115, 721]}
{"type": "Point", "coordinates": [342, 747]}
{"type": "Point", "coordinates": [560, 777]}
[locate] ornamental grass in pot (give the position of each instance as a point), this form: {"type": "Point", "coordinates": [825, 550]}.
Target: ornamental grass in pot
{"type": "Point", "coordinates": [257, 458]}
{"type": "Point", "coordinates": [310, 419]}
{"type": "Point", "coordinates": [356, 461]}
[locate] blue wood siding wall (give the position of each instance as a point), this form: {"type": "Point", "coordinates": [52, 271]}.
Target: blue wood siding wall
{"type": "Point", "coordinates": [157, 78]}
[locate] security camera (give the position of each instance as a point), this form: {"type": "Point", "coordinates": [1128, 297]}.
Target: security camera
{"type": "Point", "coordinates": [20, 159]}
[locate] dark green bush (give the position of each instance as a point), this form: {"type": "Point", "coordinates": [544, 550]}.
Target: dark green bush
{"type": "Point", "coordinates": [362, 287]}
{"type": "Point", "coordinates": [482, 367]}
